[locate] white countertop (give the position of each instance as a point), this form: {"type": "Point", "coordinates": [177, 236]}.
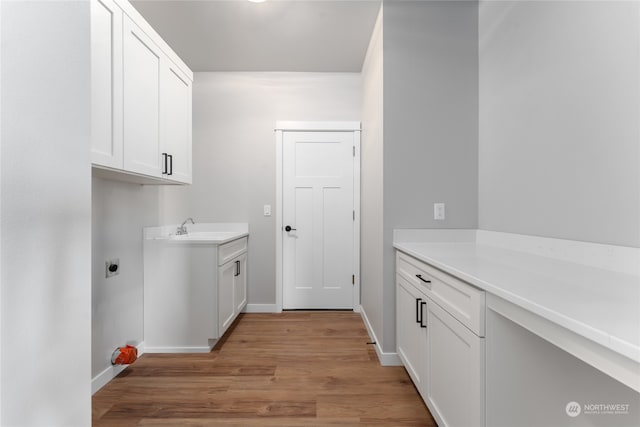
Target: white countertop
{"type": "Point", "coordinates": [199, 233]}
{"type": "Point", "coordinates": [599, 304]}
{"type": "Point", "coordinates": [205, 237]}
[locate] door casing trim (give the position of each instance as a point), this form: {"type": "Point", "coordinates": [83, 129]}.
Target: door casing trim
{"type": "Point", "coordinates": [310, 126]}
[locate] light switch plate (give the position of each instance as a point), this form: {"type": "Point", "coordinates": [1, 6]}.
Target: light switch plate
{"type": "Point", "coordinates": [267, 210]}
{"type": "Point", "coordinates": [438, 211]}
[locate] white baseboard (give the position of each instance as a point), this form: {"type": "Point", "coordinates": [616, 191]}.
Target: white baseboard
{"type": "Point", "coordinates": [261, 308]}
{"type": "Point", "coordinates": [104, 377]}
{"type": "Point", "coordinates": [385, 359]}
{"type": "Point", "coordinates": [272, 308]}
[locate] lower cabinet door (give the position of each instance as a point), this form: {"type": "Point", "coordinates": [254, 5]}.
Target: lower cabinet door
{"type": "Point", "coordinates": [226, 276]}
{"type": "Point", "coordinates": [455, 371]}
{"type": "Point", "coordinates": [240, 284]}
{"type": "Point", "coordinates": [411, 334]}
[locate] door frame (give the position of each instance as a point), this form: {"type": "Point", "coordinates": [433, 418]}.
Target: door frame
{"type": "Point", "coordinates": [294, 126]}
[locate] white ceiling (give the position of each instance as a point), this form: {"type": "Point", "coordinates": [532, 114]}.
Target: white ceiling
{"type": "Point", "coordinates": [277, 35]}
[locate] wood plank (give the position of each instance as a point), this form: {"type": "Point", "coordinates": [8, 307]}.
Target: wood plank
{"type": "Point", "coordinates": [249, 422]}
{"type": "Point", "coordinates": [286, 369]}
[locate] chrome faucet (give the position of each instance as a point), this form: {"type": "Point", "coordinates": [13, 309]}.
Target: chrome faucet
{"type": "Point", "coordinates": [182, 228]}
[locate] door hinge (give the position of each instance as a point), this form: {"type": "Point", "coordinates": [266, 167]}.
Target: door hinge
{"type": "Point", "coordinates": [353, 279]}
{"type": "Point", "coordinates": [354, 151]}
{"type": "Point", "coordinates": [354, 215]}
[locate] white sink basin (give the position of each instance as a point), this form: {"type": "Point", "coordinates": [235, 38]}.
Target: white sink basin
{"type": "Point", "coordinates": [200, 233]}
{"type": "Point", "coordinates": [208, 236]}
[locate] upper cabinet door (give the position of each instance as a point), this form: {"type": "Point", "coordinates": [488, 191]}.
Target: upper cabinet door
{"type": "Point", "coordinates": [175, 102]}
{"type": "Point", "coordinates": [106, 84]}
{"type": "Point", "coordinates": [142, 67]}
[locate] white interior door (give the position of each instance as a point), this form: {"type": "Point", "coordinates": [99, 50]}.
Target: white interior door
{"type": "Point", "coordinates": [318, 206]}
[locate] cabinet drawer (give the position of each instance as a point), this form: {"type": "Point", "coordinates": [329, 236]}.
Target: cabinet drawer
{"type": "Point", "coordinates": [464, 302]}
{"type": "Point", "coordinates": [413, 271]}
{"type": "Point", "coordinates": [230, 250]}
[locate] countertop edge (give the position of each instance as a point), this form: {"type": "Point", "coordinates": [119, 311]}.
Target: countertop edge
{"type": "Point", "coordinates": [210, 242]}
{"type": "Point", "coordinates": [600, 337]}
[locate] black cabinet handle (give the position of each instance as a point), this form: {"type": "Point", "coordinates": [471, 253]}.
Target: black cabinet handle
{"type": "Point", "coordinates": [422, 304]}
{"type": "Point", "coordinates": [288, 228]}
{"type": "Point", "coordinates": [164, 163]}
{"type": "Point", "coordinates": [170, 156]}
{"type": "Point", "coordinates": [419, 276]}
{"type": "Point", "coordinates": [237, 268]}
{"type": "Point", "coordinates": [418, 311]}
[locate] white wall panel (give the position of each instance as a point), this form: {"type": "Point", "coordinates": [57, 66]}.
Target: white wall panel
{"type": "Point", "coordinates": [119, 212]}
{"type": "Point", "coordinates": [45, 214]}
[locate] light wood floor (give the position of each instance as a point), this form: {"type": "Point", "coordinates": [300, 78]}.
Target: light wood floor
{"type": "Point", "coordinates": [289, 369]}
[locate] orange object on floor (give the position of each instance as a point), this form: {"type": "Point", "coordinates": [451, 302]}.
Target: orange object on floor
{"type": "Point", "coordinates": [124, 355]}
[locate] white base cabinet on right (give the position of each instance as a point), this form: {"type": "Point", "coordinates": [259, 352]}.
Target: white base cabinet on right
{"type": "Point", "coordinates": [411, 337]}
{"type": "Point", "coordinates": [440, 339]}
{"type": "Point", "coordinates": [455, 371]}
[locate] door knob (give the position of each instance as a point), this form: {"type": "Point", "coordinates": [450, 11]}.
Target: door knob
{"type": "Point", "coordinates": [288, 228]}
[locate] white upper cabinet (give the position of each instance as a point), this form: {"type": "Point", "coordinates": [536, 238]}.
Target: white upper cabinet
{"type": "Point", "coordinates": [175, 127]}
{"type": "Point", "coordinates": [141, 100]}
{"type": "Point", "coordinates": [106, 84]}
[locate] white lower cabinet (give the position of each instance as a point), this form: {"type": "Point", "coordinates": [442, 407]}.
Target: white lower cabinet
{"type": "Point", "coordinates": [455, 371]}
{"type": "Point", "coordinates": [412, 332]}
{"type": "Point", "coordinates": [443, 354]}
{"type": "Point", "coordinates": [240, 285]}
{"type": "Point", "coordinates": [192, 293]}
{"type": "Point", "coordinates": [232, 291]}
{"type": "Point", "coordinates": [226, 310]}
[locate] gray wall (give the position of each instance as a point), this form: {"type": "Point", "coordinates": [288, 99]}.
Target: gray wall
{"type": "Point", "coordinates": [430, 124]}
{"type": "Point", "coordinates": [119, 212]}
{"type": "Point", "coordinates": [234, 116]}
{"type": "Point", "coordinates": [559, 148]}
{"type": "Point", "coordinates": [559, 156]}
{"type": "Point", "coordinates": [530, 382]}
{"type": "Point", "coordinates": [371, 178]}
{"type": "Point", "coordinates": [45, 214]}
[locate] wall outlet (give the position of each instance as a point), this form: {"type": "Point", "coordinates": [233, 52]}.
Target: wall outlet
{"type": "Point", "coordinates": [112, 267]}
{"type": "Point", "coordinates": [267, 210]}
{"type": "Point", "coordinates": [438, 211]}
